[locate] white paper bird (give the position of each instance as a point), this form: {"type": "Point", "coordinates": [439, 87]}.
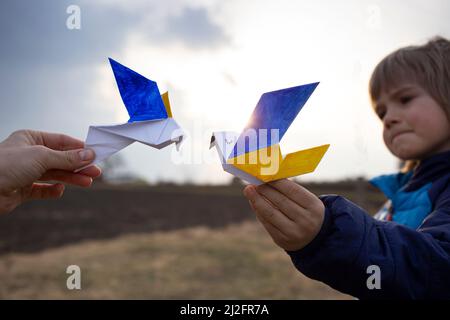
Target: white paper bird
{"type": "Point", "coordinates": [150, 123]}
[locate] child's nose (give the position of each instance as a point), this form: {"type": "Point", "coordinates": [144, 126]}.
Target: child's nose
{"type": "Point", "coordinates": [390, 118]}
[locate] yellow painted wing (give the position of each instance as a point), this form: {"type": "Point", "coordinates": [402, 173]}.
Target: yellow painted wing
{"type": "Point", "coordinates": [267, 164]}
{"type": "Point", "coordinates": [165, 98]}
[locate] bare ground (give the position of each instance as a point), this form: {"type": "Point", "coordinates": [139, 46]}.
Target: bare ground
{"type": "Point", "coordinates": [165, 242]}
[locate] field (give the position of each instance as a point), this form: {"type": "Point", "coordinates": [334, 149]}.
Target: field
{"type": "Point", "coordinates": [154, 242]}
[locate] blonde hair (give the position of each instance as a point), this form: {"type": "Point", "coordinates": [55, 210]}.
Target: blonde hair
{"type": "Point", "coordinates": [426, 65]}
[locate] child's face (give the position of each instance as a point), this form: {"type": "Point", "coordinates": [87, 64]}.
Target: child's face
{"type": "Point", "coordinates": [415, 126]}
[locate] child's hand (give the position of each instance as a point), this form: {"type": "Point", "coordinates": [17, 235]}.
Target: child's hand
{"type": "Point", "coordinates": [291, 214]}
{"type": "Point", "coordinates": [29, 156]}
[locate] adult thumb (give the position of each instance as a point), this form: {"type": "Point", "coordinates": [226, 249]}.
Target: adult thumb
{"type": "Point", "coordinates": [69, 160]}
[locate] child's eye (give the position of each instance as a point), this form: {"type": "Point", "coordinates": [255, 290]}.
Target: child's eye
{"type": "Point", "coordinates": [380, 110]}
{"type": "Point", "coordinates": [381, 114]}
{"type": "Point", "coordinates": [406, 99]}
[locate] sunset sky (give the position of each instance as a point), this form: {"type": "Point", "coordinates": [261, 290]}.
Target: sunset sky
{"type": "Point", "coordinates": [215, 58]}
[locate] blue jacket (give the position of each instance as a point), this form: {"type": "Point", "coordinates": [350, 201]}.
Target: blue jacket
{"type": "Point", "coordinates": [412, 251]}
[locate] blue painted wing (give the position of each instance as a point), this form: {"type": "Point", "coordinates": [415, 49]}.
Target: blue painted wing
{"type": "Point", "coordinates": [140, 95]}
{"type": "Point", "coordinates": [275, 110]}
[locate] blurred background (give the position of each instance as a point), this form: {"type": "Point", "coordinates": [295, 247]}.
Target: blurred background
{"type": "Point", "coordinates": [167, 224]}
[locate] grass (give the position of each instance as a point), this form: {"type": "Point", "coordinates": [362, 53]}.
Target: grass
{"type": "Point", "coordinates": [236, 262]}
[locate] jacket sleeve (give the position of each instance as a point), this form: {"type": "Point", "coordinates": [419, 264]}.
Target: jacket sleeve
{"type": "Point", "coordinates": [414, 264]}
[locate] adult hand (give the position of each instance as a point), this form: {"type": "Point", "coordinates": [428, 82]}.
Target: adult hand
{"type": "Point", "coordinates": [27, 157]}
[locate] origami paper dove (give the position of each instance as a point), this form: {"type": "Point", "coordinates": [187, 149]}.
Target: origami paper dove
{"type": "Point", "coordinates": [150, 123]}
{"type": "Point", "coordinates": [255, 154]}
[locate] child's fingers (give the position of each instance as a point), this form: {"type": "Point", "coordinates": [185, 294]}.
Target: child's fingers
{"type": "Point", "coordinates": [276, 234]}
{"type": "Point", "coordinates": [291, 209]}
{"type": "Point", "coordinates": [295, 192]}
{"type": "Point", "coordinates": [267, 211]}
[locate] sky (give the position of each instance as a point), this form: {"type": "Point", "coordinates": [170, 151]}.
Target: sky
{"type": "Point", "coordinates": [215, 58]}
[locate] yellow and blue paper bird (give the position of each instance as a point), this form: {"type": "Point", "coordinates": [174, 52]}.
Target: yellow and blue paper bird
{"type": "Point", "coordinates": [255, 155]}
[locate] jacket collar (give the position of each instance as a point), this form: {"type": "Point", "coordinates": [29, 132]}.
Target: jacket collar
{"type": "Point", "coordinates": [429, 170]}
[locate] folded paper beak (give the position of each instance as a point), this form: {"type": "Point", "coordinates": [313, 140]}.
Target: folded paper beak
{"type": "Point", "coordinates": [212, 142]}
{"type": "Point", "coordinates": [178, 143]}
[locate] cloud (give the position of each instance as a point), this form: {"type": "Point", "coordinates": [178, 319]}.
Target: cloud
{"type": "Point", "coordinates": [194, 28]}
{"type": "Point", "coordinates": [49, 72]}
{"type": "Point", "coordinates": [59, 80]}
{"type": "Point", "coordinates": [34, 33]}
{"type": "Point", "coordinates": [216, 58]}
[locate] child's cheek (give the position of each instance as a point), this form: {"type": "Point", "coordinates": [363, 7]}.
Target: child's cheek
{"type": "Point", "coordinates": [385, 135]}
{"type": "Point", "coordinates": [423, 124]}
{"type": "Point", "coordinates": [386, 140]}
{"type": "Point", "coordinates": [422, 115]}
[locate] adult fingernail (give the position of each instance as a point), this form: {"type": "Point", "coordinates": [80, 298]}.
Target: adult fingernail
{"type": "Point", "coordinates": [86, 155]}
